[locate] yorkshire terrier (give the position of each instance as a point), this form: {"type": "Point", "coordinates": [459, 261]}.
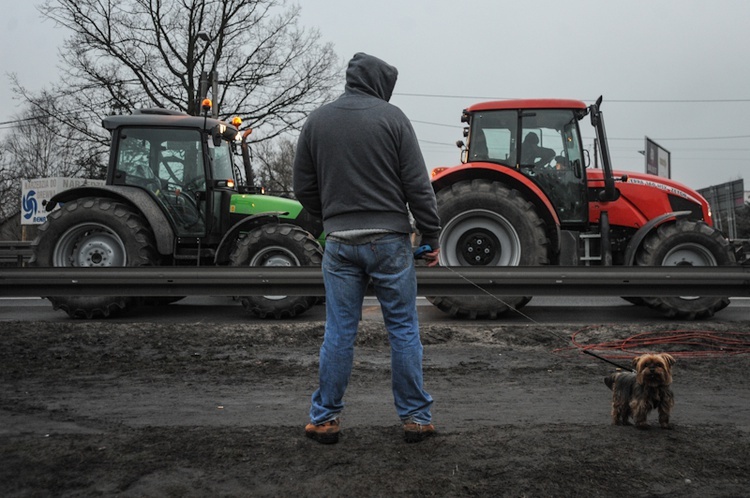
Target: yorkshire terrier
{"type": "Point", "coordinates": [635, 394]}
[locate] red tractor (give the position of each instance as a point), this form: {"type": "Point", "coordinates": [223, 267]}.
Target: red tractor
{"type": "Point", "coordinates": [523, 196]}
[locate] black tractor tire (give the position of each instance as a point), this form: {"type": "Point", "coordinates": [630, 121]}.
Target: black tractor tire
{"type": "Point", "coordinates": [94, 232]}
{"type": "Point", "coordinates": [277, 245]}
{"type": "Point", "coordinates": [487, 224]}
{"type": "Point", "coordinates": [686, 243]}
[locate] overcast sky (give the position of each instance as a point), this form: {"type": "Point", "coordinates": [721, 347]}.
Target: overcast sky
{"type": "Point", "coordinates": [675, 71]}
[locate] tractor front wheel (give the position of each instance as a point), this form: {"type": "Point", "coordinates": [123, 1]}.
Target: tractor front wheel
{"type": "Point", "coordinates": [277, 245]}
{"type": "Point", "coordinates": [686, 243]}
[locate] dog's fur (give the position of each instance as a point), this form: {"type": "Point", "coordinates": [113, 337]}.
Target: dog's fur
{"type": "Point", "coordinates": [636, 394]}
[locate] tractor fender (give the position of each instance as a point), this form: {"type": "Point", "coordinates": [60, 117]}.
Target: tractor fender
{"type": "Point", "coordinates": [511, 178]}
{"type": "Point", "coordinates": [244, 225]}
{"type": "Point", "coordinates": [503, 174]}
{"type": "Point", "coordinates": [642, 232]}
{"type": "Point", "coordinates": [139, 199]}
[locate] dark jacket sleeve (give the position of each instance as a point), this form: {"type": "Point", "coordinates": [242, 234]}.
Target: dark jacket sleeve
{"type": "Point", "coordinates": [305, 178]}
{"type": "Point", "coordinates": [417, 187]}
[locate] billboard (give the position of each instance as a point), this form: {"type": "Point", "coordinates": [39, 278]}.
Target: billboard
{"type": "Point", "coordinates": [658, 159]}
{"type": "Point", "coordinates": [35, 194]}
{"type": "Point", "coordinates": [725, 199]}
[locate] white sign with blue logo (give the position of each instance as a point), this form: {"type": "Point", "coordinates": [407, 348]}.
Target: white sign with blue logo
{"type": "Point", "coordinates": [35, 194]}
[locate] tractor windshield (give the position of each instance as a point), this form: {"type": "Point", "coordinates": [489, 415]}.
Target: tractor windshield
{"type": "Point", "coordinates": [544, 145]}
{"type": "Point", "coordinates": [222, 160]}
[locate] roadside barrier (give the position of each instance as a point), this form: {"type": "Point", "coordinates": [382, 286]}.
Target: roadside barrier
{"type": "Point", "coordinates": [439, 281]}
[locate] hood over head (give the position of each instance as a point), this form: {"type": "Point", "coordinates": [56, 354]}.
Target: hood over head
{"type": "Point", "coordinates": [371, 75]}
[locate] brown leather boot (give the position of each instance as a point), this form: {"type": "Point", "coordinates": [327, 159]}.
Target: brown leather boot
{"type": "Point", "coordinates": [325, 433]}
{"type": "Point", "coordinates": [414, 432]}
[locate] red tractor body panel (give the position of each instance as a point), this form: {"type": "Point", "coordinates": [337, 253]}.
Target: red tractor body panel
{"type": "Point", "coordinates": [644, 197]}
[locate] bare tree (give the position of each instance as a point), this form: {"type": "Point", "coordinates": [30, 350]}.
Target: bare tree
{"type": "Point", "coordinates": [128, 54]}
{"type": "Point", "coordinates": [6, 187]}
{"type": "Point", "coordinates": [38, 147]}
{"type": "Point", "coordinates": [273, 166]}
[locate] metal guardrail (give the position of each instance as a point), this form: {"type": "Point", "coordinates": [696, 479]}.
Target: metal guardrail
{"type": "Point", "coordinates": [17, 252]}
{"type": "Point", "coordinates": [440, 281]}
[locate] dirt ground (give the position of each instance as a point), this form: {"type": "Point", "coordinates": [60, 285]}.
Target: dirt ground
{"type": "Point", "coordinates": [92, 409]}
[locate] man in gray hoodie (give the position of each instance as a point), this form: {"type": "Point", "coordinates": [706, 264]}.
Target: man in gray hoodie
{"type": "Point", "coordinates": [359, 167]}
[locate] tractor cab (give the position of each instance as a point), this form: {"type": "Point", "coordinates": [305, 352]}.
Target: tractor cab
{"type": "Point", "coordinates": [185, 163]}
{"type": "Point", "coordinates": [539, 139]}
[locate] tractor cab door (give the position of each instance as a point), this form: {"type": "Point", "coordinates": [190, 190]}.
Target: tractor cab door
{"type": "Point", "coordinates": [169, 164]}
{"type": "Point", "coordinates": [222, 168]}
{"type": "Point", "coordinates": [550, 154]}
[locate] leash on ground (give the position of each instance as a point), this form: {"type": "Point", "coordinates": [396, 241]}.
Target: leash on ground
{"type": "Point", "coordinates": [419, 253]}
{"type": "Point", "coordinates": [608, 361]}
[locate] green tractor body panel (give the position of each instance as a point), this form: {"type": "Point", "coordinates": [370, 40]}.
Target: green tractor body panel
{"type": "Point", "coordinates": [244, 205]}
{"type": "Point", "coordinates": [250, 204]}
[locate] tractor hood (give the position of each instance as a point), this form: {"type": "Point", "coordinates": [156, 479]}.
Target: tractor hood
{"type": "Point", "coordinates": [654, 195]}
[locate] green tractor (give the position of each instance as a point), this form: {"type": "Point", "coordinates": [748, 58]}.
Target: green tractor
{"type": "Point", "coordinates": [173, 198]}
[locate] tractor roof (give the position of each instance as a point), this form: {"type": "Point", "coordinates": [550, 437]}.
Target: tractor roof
{"type": "Point", "coordinates": [527, 104]}
{"type": "Point", "coordinates": [159, 117]}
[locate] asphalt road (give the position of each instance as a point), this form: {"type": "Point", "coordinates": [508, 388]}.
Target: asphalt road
{"type": "Point", "coordinates": [542, 309]}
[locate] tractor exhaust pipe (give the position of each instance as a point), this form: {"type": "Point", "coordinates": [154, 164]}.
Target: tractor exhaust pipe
{"type": "Point", "coordinates": [609, 193]}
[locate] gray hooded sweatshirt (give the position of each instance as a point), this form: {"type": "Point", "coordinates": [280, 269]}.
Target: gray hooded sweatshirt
{"type": "Point", "coordinates": [358, 164]}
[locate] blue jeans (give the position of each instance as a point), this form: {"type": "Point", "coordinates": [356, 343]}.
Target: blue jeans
{"type": "Point", "coordinates": [347, 269]}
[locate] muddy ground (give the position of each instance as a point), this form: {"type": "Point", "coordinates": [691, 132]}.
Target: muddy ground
{"type": "Point", "coordinates": [90, 409]}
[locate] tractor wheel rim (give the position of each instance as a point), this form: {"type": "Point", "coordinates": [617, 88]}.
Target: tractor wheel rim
{"type": "Point", "coordinates": [90, 245]}
{"type": "Point", "coordinates": [479, 238]}
{"type": "Point", "coordinates": [689, 254]}
{"type": "Point", "coordinates": [274, 256]}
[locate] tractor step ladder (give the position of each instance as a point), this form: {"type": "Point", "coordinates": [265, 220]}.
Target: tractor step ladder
{"type": "Point", "coordinates": [587, 238]}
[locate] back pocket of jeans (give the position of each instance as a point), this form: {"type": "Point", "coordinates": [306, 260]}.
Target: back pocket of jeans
{"type": "Point", "coordinates": [393, 255]}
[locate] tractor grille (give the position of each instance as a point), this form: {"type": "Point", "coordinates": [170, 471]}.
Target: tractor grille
{"type": "Point", "coordinates": [681, 204]}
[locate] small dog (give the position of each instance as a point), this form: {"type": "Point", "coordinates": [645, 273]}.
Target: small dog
{"type": "Point", "coordinates": [635, 394]}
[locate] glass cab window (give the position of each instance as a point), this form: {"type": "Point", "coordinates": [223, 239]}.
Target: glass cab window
{"type": "Point", "coordinates": [493, 136]}
{"type": "Point", "coordinates": [542, 144]}
{"type": "Point", "coordinates": [222, 160]}
{"type": "Point", "coordinates": [168, 164]}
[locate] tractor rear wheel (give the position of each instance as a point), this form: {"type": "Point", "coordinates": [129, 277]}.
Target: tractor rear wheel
{"type": "Point", "coordinates": [277, 245]}
{"type": "Point", "coordinates": [487, 224]}
{"type": "Point", "coordinates": [94, 232]}
{"type": "Point", "coordinates": [686, 243]}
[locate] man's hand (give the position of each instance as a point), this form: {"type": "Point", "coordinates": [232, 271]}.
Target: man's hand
{"type": "Point", "coordinates": [432, 258]}
{"type": "Point", "coordinates": [425, 252]}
